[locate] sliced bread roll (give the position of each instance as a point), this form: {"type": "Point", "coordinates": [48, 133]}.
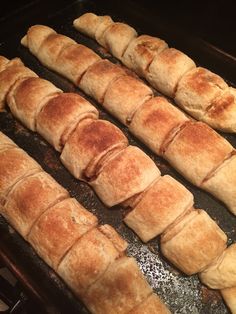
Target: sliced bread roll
{"type": "Point", "coordinates": [89, 145]}
{"type": "Point", "coordinates": [60, 116]}
{"type": "Point", "coordinates": [58, 229]}
{"type": "Point", "coordinates": [193, 242]}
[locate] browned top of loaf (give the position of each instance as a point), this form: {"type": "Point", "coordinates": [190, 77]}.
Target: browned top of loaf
{"type": "Point", "coordinates": [97, 135]}
{"type": "Point", "coordinates": [201, 80]}
{"type": "Point", "coordinates": [221, 105]}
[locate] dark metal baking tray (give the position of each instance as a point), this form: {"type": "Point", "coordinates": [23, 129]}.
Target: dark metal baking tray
{"type": "Point", "coordinates": [183, 294]}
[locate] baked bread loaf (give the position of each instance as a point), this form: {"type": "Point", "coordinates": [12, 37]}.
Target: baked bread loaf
{"type": "Point", "coordinates": [14, 70]}
{"type": "Point", "coordinates": [116, 38]}
{"type": "Point", "coordinates": [166, 70]}
{"type": "Point", "coordinates": [28, 96]}
{"type": "Point", "coordinates": [58, 228]}
{"type": "Point", "coordinates": [229, 296]}
{"type": "Point", "coordinates": [160, 206]}
{"type": "Point", "coordinates": [192, 242]}
{"type": "Point", "coordinates": [155, 123]}
{"type": "Point", "coordinates": [221, 114]}
{"type": "Point", "coordinates": [67, 237]}
{"type": "Point", "coordinates": [59, 52]}
{"type": "Point", "coordinates": [152, 305]}
{"type": "Point", "coordinates": [3, 63]}
{"type": "Point", "coordinates": [6, 142]}
{"type": "Point", "coordinates": [197, 89]}
{"type": "Point", "coordinates": [15, 164]}
{"type": "Point", "coordinates": [126, 174]}
{"type": "Point", "coordinates": [97, 78]}
{"type": "Point", "coordinates": [222, 183]}
{"type": "Point", "coordinates": [60, 116]}
{"type": "Point", "coordinates": [104, 296]}
{"type": "Point", "coordinates": [87, 261]}
{"type": "Point", "coordinates": [29, 198]}
{"type": "Point", "coordinates": [124, 96]}
{"type": "Point", "coordinates": [221, 273]}
{"type": "Point", "coordinates": [89, 145]}
{"type": "Point", "coordinates": [196, 151]}
{"type": "Point", "coordinates": [141, 51]}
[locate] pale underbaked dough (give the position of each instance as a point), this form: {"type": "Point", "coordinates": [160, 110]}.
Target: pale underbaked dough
{"type": "Point", "coordinates": [151, 305]}
{"type": "Point", "coordinates": [221, 273]}
{"type": "Point", "coordinates": [222, 184]}
{"type": "Point", "coordinates": [27, 98]}
{"type": "Point", "coordinates": [87, 260]}
{"type": "Point", "coordinates": [193, 242]}
{"type": "Point", "coordinates": [128, 173]}
{"type": "Point", "coordinates": [58, 228]}
{"type": "Point", "coordinates": [97, 78]}
{"type": "Point", "coordinates": [196, 151]}
{"type": "Point", "coordinates": [15, 164]}
{"type": "Point", "coordinates": [166, 70]}
{"type": "Point", "coordinates": [229, 296]}
{"type": "Point", "coordinates": [88, 145]}
{"type": "Point", "coordinates": [197, 89]}
{"type": "Point", "coordinates": [117, 37]}
{"type": "Point", "coordinates": [160, 205]}
{"type": "Point", "coordinates": [59, 117]}
{"type": "Point", "coordinates": [105, 297]}
{"type": "Point", "coordinates": [154, 121]}
{"type": "Point", "coordinates": [29, 198]}
{"type": "Point", "coordinates": [5, 142]}
{"type": "Point", "coordinates": [124, 96]}
{"type": "Point", "coordinates": [15, 70]}
{"type": "Point", "coordinates": [221, 114]}
{"type": "Point", "coordinates": [141, 51]}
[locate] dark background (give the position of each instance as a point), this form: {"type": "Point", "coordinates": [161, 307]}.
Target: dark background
{"type": "Point", "coordinates": [213, 21]}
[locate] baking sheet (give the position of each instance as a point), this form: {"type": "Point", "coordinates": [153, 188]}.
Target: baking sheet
{"type": "Point", "coordinates": [183, 294]}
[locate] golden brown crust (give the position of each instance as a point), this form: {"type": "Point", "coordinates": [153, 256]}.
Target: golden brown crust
{"type": "Point", "coordinates": [141, 51]}
{"type": "Point", "coordinates": [229, 296]}
{"type": "Point", "coordinates": [59, 228]}
{"type": "Point", "coordinates": [87, 260]}
{"type": "Point", "coordinates": [15, 164]}
{"type": "Point", "coordinates": [221, 114]}
{"type": "Point", "coordinates": [104, 22]}
{"type": "Point", "coordinates": [167, 68]}
{"type": "Point", "coordinates": [5, 142]}
{"type": "Point", "coordinates": [154, 120]}
{"type": "Point", "coordinates": [124, 96]}
{"type": "Point", "coordinates": [91, 141]}
{"type": "Point", "coordinates": [152, 305]}
{"type": "Point", "coordinates": [120, 289]}
{"type": "Point", "coordinates": [190, 251]}
{"type": "Point", "coordinates": [197, 89]}
{"type": "Point", "coordinates": [117, 38]}
{"type": "Point", "coordinates": [36, 35]}
{"type": "Point", "coordinates": [96, 79]}
{"type": "Point", "coordinates": [221, 273]}
{"type": "Point", "coordinates": [29, 198]}
{"type": "Point", "coordinates": [196, 151]}
{"type": "Point", "coordinates": [14, 71]}
{"type": "Point", "coordinates": [119, 243]}
{"type": "Point", "coordinates": [160, 205]}
{"type": "Point", "coordinates": [87, 24]}
{"type": "Point", "coordinates": [3, 63]}
{"type": "Point", "coordinates": [59, 117]}
{"type": "Point", "coordinates": [128, 173]}
{"type": "Point", "coordinates": [222, 184]}
{"type": "Point", "coordinates": [51, 47]}
{"type": "Point", "coordinates": [74, 61]}
{"type": "Point", "coordinates": [27, 98]}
